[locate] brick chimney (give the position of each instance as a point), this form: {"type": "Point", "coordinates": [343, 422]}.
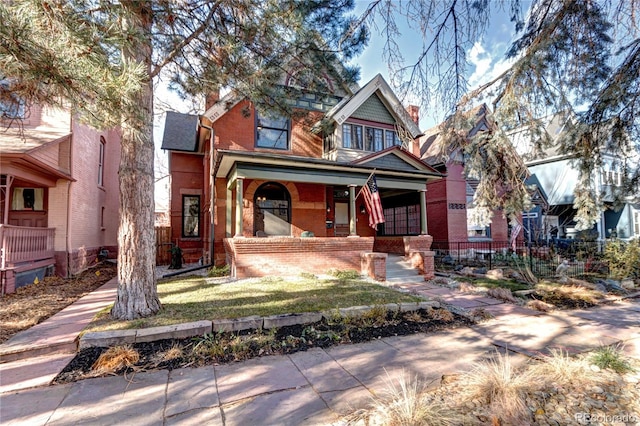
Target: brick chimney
{"type": "Point", "coordinates": [414, 113]}
{"type": "Point", "coordinates": [212, 98]}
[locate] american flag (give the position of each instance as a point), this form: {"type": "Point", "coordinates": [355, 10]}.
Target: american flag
{"type": "Point", "coordinates": [373, 202]}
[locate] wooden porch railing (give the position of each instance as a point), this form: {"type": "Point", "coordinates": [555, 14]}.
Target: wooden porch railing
{"type": "Point", "coordinates": [23, 244]}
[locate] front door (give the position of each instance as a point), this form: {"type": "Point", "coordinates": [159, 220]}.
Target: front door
{"type": "Point", "coordinates": [342, 219]}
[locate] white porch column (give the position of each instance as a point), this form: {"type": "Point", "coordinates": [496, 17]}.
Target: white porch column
{"type": "Point", "coordinates": [228, 213]}
{"type": "Point", "coordinates": [5, 188]}
{"type": "Point", "coordinates": [239, 204]}
{"type": "Point", "coordinates": [423, 211]}
{"type": "Point", "coordinates": [352, 211]}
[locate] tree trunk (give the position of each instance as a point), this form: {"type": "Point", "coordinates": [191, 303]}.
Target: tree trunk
{"type": "Point", "coordinates": [137, 293]}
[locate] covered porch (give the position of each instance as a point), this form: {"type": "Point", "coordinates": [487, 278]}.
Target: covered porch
{"type": "Point", "coordinates": [285, 215]}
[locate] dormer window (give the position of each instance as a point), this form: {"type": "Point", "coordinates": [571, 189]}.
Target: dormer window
{"type": "Point", "coordinates": [11, 106]}
{"type": "Point", "coordinates": [272, 132]}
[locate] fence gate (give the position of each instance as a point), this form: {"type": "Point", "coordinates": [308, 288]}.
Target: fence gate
{"type": "Point", "coordinates": [163, 244]}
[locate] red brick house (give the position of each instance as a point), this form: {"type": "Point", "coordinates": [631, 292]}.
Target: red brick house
{"type": "Point", "coordinates": [58, 194]}
{"type": "Point", "coordinates": [450, 200]}
{"type": "Point", "coordinates": [269, 194]}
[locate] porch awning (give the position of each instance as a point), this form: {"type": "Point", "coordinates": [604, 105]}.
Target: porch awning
{"type": "Point", "coordinates": [266, 166]}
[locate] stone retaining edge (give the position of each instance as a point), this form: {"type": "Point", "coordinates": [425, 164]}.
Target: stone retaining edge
{"type": "Point", "coordinates": [199, 328]}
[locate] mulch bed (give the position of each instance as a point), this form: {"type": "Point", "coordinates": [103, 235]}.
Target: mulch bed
{"type": "Point", "coordinates": [230, 347]}
{"type": "Point", "coordinates": [34, 303]}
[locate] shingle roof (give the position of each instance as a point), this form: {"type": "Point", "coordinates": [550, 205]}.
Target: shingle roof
{"type": "Point", "coordinates": [180, 132]}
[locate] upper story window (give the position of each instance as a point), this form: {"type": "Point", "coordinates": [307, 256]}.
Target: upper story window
{"type": "Point", "coordinates": [611, 176]}
{"type": "Point", "coordinates": [368, 138]}
{"type": "Point", "coordinates": [272, 132]}
{"type": "Point", "coordinates": [101, 162]}
{"type": "Point", "coordinates": [190, 215]}
{"type": "Point", "coordinates": [636, 223]}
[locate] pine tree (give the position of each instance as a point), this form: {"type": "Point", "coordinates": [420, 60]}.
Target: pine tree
{"type": "Point", "coordinates": [100, 57]}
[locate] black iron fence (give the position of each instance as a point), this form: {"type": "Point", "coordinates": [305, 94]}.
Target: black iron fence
{"type": "Point", "coordinates": [581, 256]}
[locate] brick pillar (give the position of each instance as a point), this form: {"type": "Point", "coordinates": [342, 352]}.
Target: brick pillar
{"type": "Point", "coordinates": [374, 265]}
{"type": "Point", "coordinates": [424, 261]}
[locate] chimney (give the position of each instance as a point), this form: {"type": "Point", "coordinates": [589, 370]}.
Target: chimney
{"type": "Point", "coordinates": [414, 113]}
{"type": "Point", "coordinates": [212, 98]}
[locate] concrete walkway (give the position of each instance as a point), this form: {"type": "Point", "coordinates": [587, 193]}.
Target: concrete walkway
{"type": "Point", "coordinates": [313, 387]}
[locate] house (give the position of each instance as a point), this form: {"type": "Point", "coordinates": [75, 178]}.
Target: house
{"type": "Point", "coordinates": [450, 209]}
{"type": "Point", "coordinates": [272, 194]}
{"type": "Point", "coordinates": [557, 175]}
{"type": "Point", "coordinates": [58, 194]}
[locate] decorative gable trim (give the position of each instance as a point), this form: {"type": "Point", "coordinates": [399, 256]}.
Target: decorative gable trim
{"type": "Point", "coordinates": [345, 109]}
{"type": "Point", "coordinates": [381, 160]}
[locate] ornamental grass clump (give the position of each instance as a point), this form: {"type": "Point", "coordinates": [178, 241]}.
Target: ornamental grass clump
{"type": "Point", "coordinates": [115, 359]}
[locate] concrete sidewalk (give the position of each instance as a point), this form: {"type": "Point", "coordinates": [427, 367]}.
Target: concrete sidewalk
{"type": "Point", "coordinates": [312, 387]}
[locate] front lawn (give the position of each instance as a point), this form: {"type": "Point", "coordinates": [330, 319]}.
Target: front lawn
{"type": "Point", "coordinates": [197, 298]}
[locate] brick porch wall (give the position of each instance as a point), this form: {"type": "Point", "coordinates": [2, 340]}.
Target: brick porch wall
{"type": "Point", "coordinates": [257, 257]}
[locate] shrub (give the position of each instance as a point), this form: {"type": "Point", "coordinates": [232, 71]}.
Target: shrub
{"type": "Point", "coordinates": [623, 258]}
{"type": "Point", "coordinates": [611, 357]}
{"type": "Point", "coordinates": [219, 271]}
{"type": "Point", "coordinates": [349, 274]}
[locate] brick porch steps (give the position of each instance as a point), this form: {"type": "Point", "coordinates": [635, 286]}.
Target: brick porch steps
{"type": "Point", "coordinates": [59, 333]}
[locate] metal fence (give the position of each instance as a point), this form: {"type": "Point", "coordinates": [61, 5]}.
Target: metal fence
{"type": "Point", "coordinates": [543, 260]}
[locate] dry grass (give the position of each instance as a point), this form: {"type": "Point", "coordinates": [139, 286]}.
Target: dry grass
{"type": "Point", "coordinates": [405, 402]}
{"type": "Point", "coordinates": [562, 369]}
{"type": "Point", "coordinates": [116, 358]}
{"type": "Point", "coordinates": [501, 293]}
{"type": "Point", "coordinates": [441, 315]}
{"type": "Point", "coordinates": [563, 294]}
{"type": "Point", "coordinates": [174, 352]}
{"type": "Point", "coordinates": [539, 305]}
{"type": "Point", "coordinates": [498, 382]}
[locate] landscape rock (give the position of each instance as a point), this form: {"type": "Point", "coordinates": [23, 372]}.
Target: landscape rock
{"type": "Point", "coordinates": [495, 274]}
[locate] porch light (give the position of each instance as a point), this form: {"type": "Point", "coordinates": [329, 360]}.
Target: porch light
{"type": "Point", "coordinates": [362, 209]}
{"type": "Point", "coordinates": [328, 208]}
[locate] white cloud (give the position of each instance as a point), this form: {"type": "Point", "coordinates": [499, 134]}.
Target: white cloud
{"type": "Point", "coordinates": [481, 60]}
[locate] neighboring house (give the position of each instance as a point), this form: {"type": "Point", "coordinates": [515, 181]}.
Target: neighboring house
{"type": "Point", "coordinates": [58, 194]}
{"type": "Point", "coordinates": [450, 210]}
{"type": "Point", "coordinates": [247, 189]}
{"type": "Point", "coordinates": [557, 175]}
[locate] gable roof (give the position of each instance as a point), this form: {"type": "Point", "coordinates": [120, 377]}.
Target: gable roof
{"type": "Point", "coordinates": [180, 132]}
{"type": "Point", "coordinates": [395, 158]}
{"type": "Point", "coordinates": [432, 143]}
{"type": "Point", "coordinates": [379, 88]}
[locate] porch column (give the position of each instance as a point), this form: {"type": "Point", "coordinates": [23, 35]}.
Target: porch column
{"type": "Point", "coordinates": [228, 212]}
{"type": "Point", "coordinates": [239, 204]}
{"type": "Point", "coordinates": [423, 211]}
{"type": "Point", "coordinates": [5, 189]}
{"type": "Point", "coordinates": [352, 211]}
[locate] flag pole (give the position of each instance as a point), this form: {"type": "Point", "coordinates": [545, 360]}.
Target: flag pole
{"type": "Point", "coordinates": [365, 183]}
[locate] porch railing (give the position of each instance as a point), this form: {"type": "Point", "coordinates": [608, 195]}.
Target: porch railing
{"type": "Point", "coordinates": [23, 244]}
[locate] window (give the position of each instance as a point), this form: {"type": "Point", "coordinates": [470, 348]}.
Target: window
{"type": "Point", "coordinates": [374, 139]}
{"type": "Point", "coordinates": [351, 136]}
{"type": "Point", "coordinates": [191, 216]}
{"type": "Point", "coordinates": [391, 139]}
{"type": "Point", "coordinates": [12, 106]}
{"type": "Point", "coordinates": [636, 223]}
{"type": "Point", "coordinates": [402, 220]}
{"type": "Point", "coordinates": [272, 132]}
{"type": "Point", "coordinates": [101, 162]}
{"type": "Point", "coordinates": [272, 210]}
{"type": "Point", "coordinates": [27, 199]}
